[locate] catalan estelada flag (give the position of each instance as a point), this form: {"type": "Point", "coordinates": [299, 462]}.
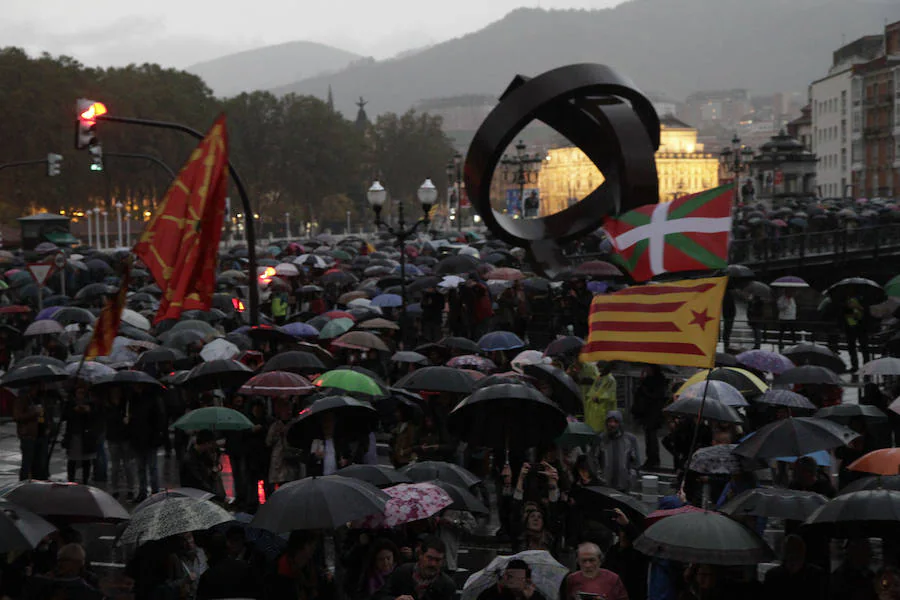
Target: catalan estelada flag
{"type": "Point", "coordinates": [180, 245]}
{"type": "Point", "coordinates": [674, 323]}
{"type": "Point", "coordinates": [107, 326]}
{"type": "Point", "coordinates": [687, 234]}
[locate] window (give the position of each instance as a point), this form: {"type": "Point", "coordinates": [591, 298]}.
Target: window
{"type": "Point", "coordinates": [843, 159]}
{"type": "Point", "coordinates": [843, 101]}
{"type": "Point", "coordinates": [843, 130]}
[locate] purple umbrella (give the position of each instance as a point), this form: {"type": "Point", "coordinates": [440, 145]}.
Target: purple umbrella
{"type": "Point", "coordinates": [47, 313]}
{"type": "Point", "coordinates": [790, 282]}
{"type": "Point", "coordinates": [597, 287]}
{"type": "Point", "coordinates": [765, 361]}
{"type": "Point", "coordinates": [301, 330]}
{"type": "Point", "coordinates": [387, 301]}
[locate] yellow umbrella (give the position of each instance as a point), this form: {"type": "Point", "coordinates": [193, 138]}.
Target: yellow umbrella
{"type": "Point", "coordinates": [746, 382]}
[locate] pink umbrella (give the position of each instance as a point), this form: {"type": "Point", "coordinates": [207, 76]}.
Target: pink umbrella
{"type": "Point", "coordinates": [778, 223]}
{"type": "Point", "coordinates": [409, 502]}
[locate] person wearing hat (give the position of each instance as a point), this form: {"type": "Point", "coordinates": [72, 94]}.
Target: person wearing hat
{"type": "Point", "coordinates": [620, 453]}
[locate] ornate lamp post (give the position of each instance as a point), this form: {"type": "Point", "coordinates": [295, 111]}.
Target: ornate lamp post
{"type": "Point", "coordinates": [521, 169]}
{"type": "Point", "coordinates": [735, 159]}
{"type": "Point", "coordinates": [119, 223]}
{"type": "Point", "coordinates": [377, 196]}
{"type": "Point", "coordinates": [87, 216]}
{"type": "Point", "coordinates": [454, 178]}
{"type": "Point", "coordinates": [97, 228]}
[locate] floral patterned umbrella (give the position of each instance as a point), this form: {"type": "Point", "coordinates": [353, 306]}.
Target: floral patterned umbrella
{"type": "Point", "coordinates": [173, 516]}
{"type": "Point", "coordinates": [765, 361]}
{"type": "Point", "coordinates": [472, 361]}
{"type": "Point", "coordinates": [409, 502]}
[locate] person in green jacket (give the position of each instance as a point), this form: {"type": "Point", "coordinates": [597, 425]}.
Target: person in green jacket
{"type": "Point", "coordinates": [600, 398]}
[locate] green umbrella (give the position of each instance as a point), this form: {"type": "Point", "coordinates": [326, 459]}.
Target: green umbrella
{"type": "Point", "coordinates": [340, 255]}
{"type": "Point", "coordinates": [336, 328]}
{"type": "Point", "coordinates": [350, 381]}
{"type": "Point", "coordinates": [216, 418]}
{"type": "Point", "coordinates": [892, 287]}
{"type": "Point", "coordinates": [577, 434]}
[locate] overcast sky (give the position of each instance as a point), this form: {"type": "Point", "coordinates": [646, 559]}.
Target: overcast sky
{"type": "Point", "coordinates": [180, 33]}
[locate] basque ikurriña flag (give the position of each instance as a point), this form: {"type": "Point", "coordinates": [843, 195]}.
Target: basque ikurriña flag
{"type": "Point", "coordinates": [674, 323]}
{"type": "Point", "coordinates": [687, 234]}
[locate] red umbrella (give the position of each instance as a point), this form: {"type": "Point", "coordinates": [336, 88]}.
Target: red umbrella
{"type": "Point", "coordinates": [658, 515]}
{"type": "Point", "coordinates": [778, 223]}
{"type": "Point", "coordinates": [505, 274]}
{"type": "Point", "coordinates": [277, 384]}
{"type": "Point", "coordinates": [14, 309]}
{"type": "Point", "coordinates": [339, 314]}
{"type": "Point", "coordinates": [598, 268]}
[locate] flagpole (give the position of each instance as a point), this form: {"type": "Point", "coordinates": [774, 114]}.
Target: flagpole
{"type": "Point", "coordinates": [696, 435]}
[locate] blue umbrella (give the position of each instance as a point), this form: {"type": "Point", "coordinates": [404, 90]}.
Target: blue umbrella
{"type": "Point", "coordinates": [47, 313]}
{"type": "Point", "coordinates": [301, 330]}
{"type": "Point", "coordinates": [387, 301]}
{"type": "Point", "coordinates": [411, 270]}
{"type": "Point", "coordinates": [822, 458]}
{"type": "Point", "coordinates": [500, 340]}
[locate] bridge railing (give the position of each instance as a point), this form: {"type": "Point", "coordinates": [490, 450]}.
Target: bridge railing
{"type": "Point", "coordinates": [839, 243]}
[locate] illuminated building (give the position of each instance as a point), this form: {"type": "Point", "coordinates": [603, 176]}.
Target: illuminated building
{"type": "Point", "coordinates": [683, 167]}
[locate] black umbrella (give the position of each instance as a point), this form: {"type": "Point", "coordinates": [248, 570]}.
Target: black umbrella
{"type": "Point", "coordinates": [73, 314]}
{"type": "Point", "coordinates": [867, 513]}
{"type": "Point", "coordinates": [319, 503]}
{"type": "Point", "coordinates": [353, 419]}
{"type": "Point", "coordinates": [463, 499]}
{"type": "Point", "coordinates": [455, 265]}
{"type": "Point", "coordinates": [129, 378]}
{"type": "Point", "coordinates": [564, 346]}
{"type": "Point", "coordinates": [409, 357]}
{"type": "Point", "coordinates": [507, 415]}
{"type": "Point", "coordinates": [37, 359]}
{"type": "Point", "coordinates": [712, 409]}
{"type": "Point", "coordinates": [564, 390]}
{"type": "Point", "coordinates": [381, 476]}
{"type": "Point", "coordinates": [721, 460]}
{"type": "Point", "coordinates": [808, 375]}
{"type": "Point", "coordinates": [93, 291]}
{"type": "Point", "coordinates": [703, 537]}
{"type": "Point", "coordinates": [739, 272]}
{"type": "Point", "coordinates": [33, 375]}
{"type": "Point", "coordinates": [795, 436]}
{"type": "Point", "coordinates": [865, 290]}
{"type": "Point", "coordinates": [302, 363]}
{"type": "Point", "coordinates": [776, 503]}
{"type": "Point", "coordinates": [218, 374]}
{"type": "Point", "coordinates": [724, 359]}
{"type": "Point", "coordinates": [430, 470]}
{"type": "Point", "coordinates": [158, 356]}
{"type": "Point", "coordinates": [242, 341]}
{"type": "Point", "coordinates": [270, 333]}
{"type": "Point", "coordinates": [787, 399]}
{"type": "Point", "coordinates": [180, 340]}
{"type": "Point", "coordinates": [813, 354]}
{"type": "Point", "coordinates": [339, 278]}
{"type": "Point", "coordinates": [66, 502]}
{"type": "Point", "coordinates": [465, 345]}
{"type": "Point", "coordinates": [21, 529]}
{"type": "Point", "coordinates": [875, 482]}
{"type": "Point", "coordinates": [437, 379]}
{"type": "Point", "coordinates": [594, 499]}
{"type": "Point", "coordinates": [845, 413]}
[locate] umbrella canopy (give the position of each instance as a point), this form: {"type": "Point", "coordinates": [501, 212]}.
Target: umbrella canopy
{"type": "Point", "coordinates": [765, 361]}
{"type": "Point", "coordinates": [787, 399]}
{"type": "Point", "coordinates": [129, 378]}
{"type": "Point", "coordinates": [173, 516]}
{"type": "Point", "coordinates": [430, 470]}
{"type": "Point", "coordinates": [302, 363]}
{"type": "Point", "coordinates": [32, 375]}
{"type": "Point", "coordinates": [409, 502]}
{"type": "Point", "coordinates": [90, 371]}
{"type": "Point", "coordinates": [884, 461]}
{"type": "Point", "coordinates": [576, 434]}
{"type": "Point", "coordinates": [845, 413]}
{"type": "Point", "coordinates": [703, 537]}
{"type": "Point", "coordinates": [594, 499]}
{"type": "Point", "coordinates": [21, 529]}
{"type": "Point", "coordinates": [301, 330]}
{"type": "Point", "coordinates": [218, 374]}
{"type": "Point", "coordinates": [515, 414]}
{"type": "Point", "coordinates": [777, 503]}
{"type": "Point", "coordinates": [547, 574]}
{"type": "Point", "coordinates": [719, 460]}
{"type": "Point", "coordinates": [437, 379]}
{"type": "Point", "coordinates": [66, 502]}
{"type": "Point", "coordinates": [69, 315]}
{"type": "Point", "coordinates": [336, 328]}
{"type": "Point", "coordinates": [887, 365]}
{"type": "Point", "coordinates": [886, 482]}
{"type": "Point", "coordinates": [795, 436]}
{"type": "Point", "coordinates": [158, 356]}
{"type": "Point", "coordinates": [379, 324]}
{"type": "Point", "coordinates": [318, 503]}
{"type": "Point", "coordinates": [353, 418]}
{"type": "Point", "coordinates": [463, 499]}
{"type": "Point", "coordinates": [219, 349]}
{"type": "Point", "coordinates": [410, 357]}
{"type": "Point", "coordinates": [867, 513]}
{"type": "Point", "coordinates": [808, 375]}
{"type": "Point", "coordinates": [742, 380]}
{"type": "Point", "coordinates": [380, 476]}
{"type": "Point", "coordinates": [462, 344]}
{"type": "Point", "coordinates": [215, 418]}
{"type": "Point", "coordinates": [181, 492]}
{"type": "Point", "coordinates": [865, 290]}
{"type": "Point", "coordinates": [813, 354]}
{"type": "Point", "coordinates": [790, 281]}
{"type": "Point", "coordinates": [563, 389]}
{"type": "Point", "coordinates": [725, 393]}
{"type": "Point", "coordinates": [361, 340]}
{"type": "Point", "coordinates": [277, 384]}
{"type": "Point", "coordinates": [711, 409]}
{"type": "Point", "coordinates": [472, 361]}
{"type": "Point", "coordinates": [46, 327]}
{"type": "Point", "coordinates": [350, 381]}
{"type": "Point", "coordinates": [500, 341]}
{"type": "Point", "coordinates": [569, 345]}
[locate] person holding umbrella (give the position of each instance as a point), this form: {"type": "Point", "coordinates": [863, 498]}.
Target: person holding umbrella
{"type": "Point", "coordinates": [33, 428]}
{"type": "Point", "coordinates": [649, 400]}
{"type": "Point", "coordinates": [200, 469]}
{"type": "Point", "coordinates": [298, 575]}
{"type": "Point", "coordinates": [146, 428]}
{"type": "Point", "coordinates": [787, 318]}
{"type": "Point", "coordinates": [514, 584]}
{"type": "Point", "coordinates": [855, 324]}
{"type": "Point", "coordinates": [80, 440]}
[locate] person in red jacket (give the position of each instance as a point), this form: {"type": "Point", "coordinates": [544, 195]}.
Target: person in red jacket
{"type": "Point", "coordinates": [593, 580]}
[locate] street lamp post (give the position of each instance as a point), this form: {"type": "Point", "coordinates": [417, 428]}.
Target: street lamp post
{"type": "Point", "coordinates": [128, 229]}
{"type": "Point", "coordinates": [735, 159]}
{"type": "Point", "coordinates": [377, 196]}
{"type": "Point", "coordinates": [105, 229]}
{"type": "Point", "coordinates": [87, 216]}
{"type": "Point", "coordinates": [522, 169]}
{"type": "Point", "coordinates": [454, 178]}
{"type": "Point", "coordinates": [97, 228]}
{"type": "Point", "coordinates": [287, 226]}
{"type": "Point", "coordinates": [348, 221]}
{"type": "Point", "coordinates": [119, 223]}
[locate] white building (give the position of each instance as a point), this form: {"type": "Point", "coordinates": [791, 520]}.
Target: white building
{"type": "Point", "coordinates": [832, 119]}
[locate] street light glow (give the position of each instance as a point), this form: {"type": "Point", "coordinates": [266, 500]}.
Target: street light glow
{"type": "Point", "coordinates": [95, 110]}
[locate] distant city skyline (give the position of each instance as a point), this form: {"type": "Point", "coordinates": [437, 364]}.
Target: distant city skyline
{"type": "Point", "coordinates": [180, 34]}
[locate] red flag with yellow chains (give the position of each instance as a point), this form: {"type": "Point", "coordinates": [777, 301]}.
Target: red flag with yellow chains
{"type": "Point", "coordinates": [180, 244]}
{"type": "Point", "coordinates": [107, 326]}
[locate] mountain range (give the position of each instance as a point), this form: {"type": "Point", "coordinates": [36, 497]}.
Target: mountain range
{"type": "Point", "coordinates": [675, 46]}
{"type": "Point", "coordinates": [270, 66]}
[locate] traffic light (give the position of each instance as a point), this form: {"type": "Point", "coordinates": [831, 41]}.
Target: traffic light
{"type": "Point", "coordinates": [87, 112]}
{"type": "Point", "coordinates": [54, 164]}
{"type": "Point", "coordinates": [96, 157]}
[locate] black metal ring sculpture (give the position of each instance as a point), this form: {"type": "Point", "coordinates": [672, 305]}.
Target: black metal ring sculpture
{"type": "Point", "coordinates": [599, 111]}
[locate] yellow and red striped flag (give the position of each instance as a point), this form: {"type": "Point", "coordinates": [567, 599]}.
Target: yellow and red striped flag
{"type": "Point", "coordinates": [107, 326]}
{"type": "Point", "coordinates": [674, 323]}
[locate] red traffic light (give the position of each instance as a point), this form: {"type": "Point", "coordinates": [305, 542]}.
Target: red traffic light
{"type": "Point", "coordinates": [93, 111]}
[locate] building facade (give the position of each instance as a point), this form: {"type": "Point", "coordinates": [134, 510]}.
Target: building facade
{"type": "Point", "coordinates": [683, 167]}
{"type": "Point", "coordinates": [783, 169]}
